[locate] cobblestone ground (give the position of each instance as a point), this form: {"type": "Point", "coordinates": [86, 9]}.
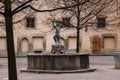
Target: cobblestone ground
{"type": "Point", "coordinates": [104, 65]}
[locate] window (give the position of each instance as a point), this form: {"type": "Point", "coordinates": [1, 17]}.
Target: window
{"type": "Point", "coordinates": [66, 21]}
{"type": "Point", "coordinates": [30, 22]}
{"type": "Point", "coordinates": [101, 22]}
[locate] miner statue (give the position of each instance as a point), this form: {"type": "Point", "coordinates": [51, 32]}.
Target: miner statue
{"type": "Point", "coordinates": [58, 48]}
{"type": "Point", "coordinates": [57, 25]}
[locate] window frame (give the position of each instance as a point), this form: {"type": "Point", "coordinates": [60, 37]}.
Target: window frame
{"type": "Point", "coordinates": [30, 22]}
{"type": "Point", "coordinates": [101, 22]}
{"type": "Point", "coordinates": [67, 21]}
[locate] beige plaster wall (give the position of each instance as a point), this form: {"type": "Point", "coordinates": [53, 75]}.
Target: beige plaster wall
{"type": "Point", "coordinates": [3, 44]}
{"type": "Point", "coordinates": [43, 26]}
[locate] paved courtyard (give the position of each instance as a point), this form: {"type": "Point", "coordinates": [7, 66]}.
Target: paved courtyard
{"type": "Point", "coordinates": [103, 64]}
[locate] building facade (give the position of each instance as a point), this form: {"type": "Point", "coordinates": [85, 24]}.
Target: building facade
{"type": "Point", "coordinates": [35, 32]}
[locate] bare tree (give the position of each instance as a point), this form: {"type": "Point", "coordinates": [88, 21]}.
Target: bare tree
{"type": "Point", "coordinates": [82, 10]}
{"type": "Point", "coordinates": [83, 14]}
{"type": "Point", "coordinates": [8, 9]}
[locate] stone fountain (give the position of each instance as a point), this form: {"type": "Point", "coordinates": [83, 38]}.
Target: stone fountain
{"type": "Point", "coordinates": [58, 61]}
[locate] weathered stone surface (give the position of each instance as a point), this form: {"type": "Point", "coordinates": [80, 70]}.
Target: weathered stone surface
{"type": "Point", "coordinates": [58, 49]}
{"type": "Point", "coordinates": [58, 61]}
{"type": "Point", "coordinates": [117, 60]}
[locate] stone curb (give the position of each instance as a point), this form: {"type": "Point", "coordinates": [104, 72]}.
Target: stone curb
{"type": "Point", "coordinates": [58, 71]}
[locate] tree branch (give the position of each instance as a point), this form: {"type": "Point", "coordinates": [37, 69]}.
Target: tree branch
{"type": "Point", "coordinates": [2, 13]}
{"type": "Point", "coordinates": [22, 7]}
{"type": "Point", "coordinates": [97, 12]}
{"type": "Point", "coordinates": [20, 1]}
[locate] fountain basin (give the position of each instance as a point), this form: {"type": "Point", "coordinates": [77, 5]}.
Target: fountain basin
{"type": "Point", "coordinates": [58, 63]}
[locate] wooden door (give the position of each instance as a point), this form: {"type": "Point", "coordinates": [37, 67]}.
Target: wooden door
{"type": "Point", "coordinates": [96, 45]}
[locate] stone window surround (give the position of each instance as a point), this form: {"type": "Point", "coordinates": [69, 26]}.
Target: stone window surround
{"type": "Point", "coordinates": [30, 42]}
{"type": "Point", "coordinates": [28, 22]}
{"type": "Point", "coordinates": [101, 16]}
{"type": "Point", "coordinates": [74, 36]}
{"type": "Point", "coordinates": [38, 36]}
{"type": "Point", "coordinates": [102, 40]}
{"type": "Point", "coordinates": [30, 16]}
{"type": "Point", "coordinates": [67, 20]}
{"type": "Point", "coordinates": [109, 35]}
{"type": "Point", "coordinates": [19, 49]}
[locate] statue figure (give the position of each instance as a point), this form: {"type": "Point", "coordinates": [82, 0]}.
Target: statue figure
{"type": "Point", "coordinates": [57, 31]}
{"type": "Point", "coordinates": [57, 34]}
{"type": "Point", "coordinates": [58, 48]}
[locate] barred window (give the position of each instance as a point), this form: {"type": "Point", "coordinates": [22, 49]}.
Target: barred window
{"type": "Point", "coordinates": [66, 21]}
{"type": "Point", "coordinates": [101, 22]}
{"type": "Point", "coordinates": [30, 22]}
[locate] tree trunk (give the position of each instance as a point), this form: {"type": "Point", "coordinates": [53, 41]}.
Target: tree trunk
{"type": "Point", "coordinates": [10, 41]}
{"type": "Point", "coordinates": [10, 49]}
{"type": "Point", "coordinates": [78, 41]}
{"type": "Point", "coordinates": [78, 31]}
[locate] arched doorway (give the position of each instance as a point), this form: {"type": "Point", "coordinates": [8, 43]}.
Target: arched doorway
{"type": "Point", "coordinates": [24, 45]}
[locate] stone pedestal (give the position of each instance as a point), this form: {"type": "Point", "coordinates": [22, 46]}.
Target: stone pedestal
{"type": "Point", "coordinates": [117, 60]}
{"type": "Point", "coordinates": [58, 49]}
